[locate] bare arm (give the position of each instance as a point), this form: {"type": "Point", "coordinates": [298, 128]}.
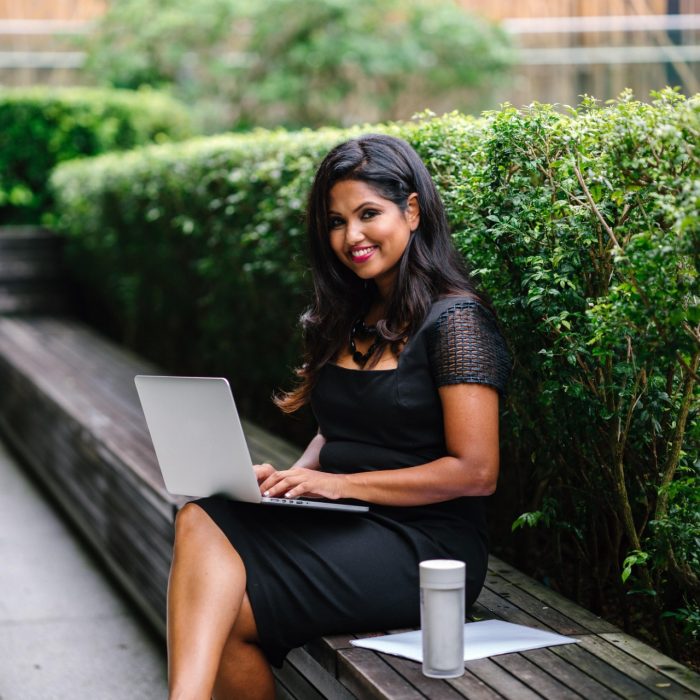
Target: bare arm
{"type": "Point", "coordinates": [470, 468]}
{"type": "Point", "coordinates": [310, 458]}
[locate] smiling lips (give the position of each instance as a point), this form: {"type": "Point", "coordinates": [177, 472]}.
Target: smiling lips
{"type": "Point", "coordinates": [362, 254]}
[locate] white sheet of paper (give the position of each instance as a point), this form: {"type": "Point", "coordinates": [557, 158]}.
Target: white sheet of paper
{"type": "Point", "coordinates": [481, 639]}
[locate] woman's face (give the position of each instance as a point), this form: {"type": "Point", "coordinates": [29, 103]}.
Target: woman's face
{"type": "Point", "coordinates": [369, 233]}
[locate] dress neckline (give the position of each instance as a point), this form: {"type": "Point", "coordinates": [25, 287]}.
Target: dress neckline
{"type": "Point", "coordinates": [364, 371]}
{"type": "Point", "coordinates": [454, 298]}
{"type": "Point", "coordinates": [376, 371]}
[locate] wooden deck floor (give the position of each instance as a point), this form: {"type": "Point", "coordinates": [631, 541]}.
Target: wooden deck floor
{"type": "Point", "coordinates": [69, 407]}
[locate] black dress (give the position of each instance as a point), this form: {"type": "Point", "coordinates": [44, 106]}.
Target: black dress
{"type": "Point", "coordinates": [312, 573]}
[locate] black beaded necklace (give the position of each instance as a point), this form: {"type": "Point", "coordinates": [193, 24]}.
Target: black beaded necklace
{"type": "Point", "coordinates": [359, 328]}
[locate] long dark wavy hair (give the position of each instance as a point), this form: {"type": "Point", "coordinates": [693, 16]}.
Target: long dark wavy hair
{"type": "Point", "coordinates": [430, 266]}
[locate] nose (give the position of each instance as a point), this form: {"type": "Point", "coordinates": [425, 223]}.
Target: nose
{"type": "Point", "coordinates": [353, 233]}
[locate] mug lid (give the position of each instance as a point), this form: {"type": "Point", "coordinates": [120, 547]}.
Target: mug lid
{"type": "Point", "coordinates": [442, 571]}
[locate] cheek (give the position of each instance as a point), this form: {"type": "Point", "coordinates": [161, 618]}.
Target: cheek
{"type": "Point", "coordinates": [401, 242]}
{"type": "Point", "coordinates": [336, 243]}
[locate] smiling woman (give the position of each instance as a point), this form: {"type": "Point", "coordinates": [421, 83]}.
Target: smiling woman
{"type": "Point", "coordinates": [403, 371]}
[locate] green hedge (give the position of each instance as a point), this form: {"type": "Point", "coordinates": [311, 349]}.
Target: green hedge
{"type": "Point", "coordinates": [200, 243]}
{"type": "Point", "coordinates": [40, 127]}
{"type": "Point", "coordinates": [582, 226]}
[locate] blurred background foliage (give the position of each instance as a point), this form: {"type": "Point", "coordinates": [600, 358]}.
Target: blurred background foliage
{"type": "Point", "coordinates": [41, 127]}
{"type": "Point", "coordinates": [300, 62]}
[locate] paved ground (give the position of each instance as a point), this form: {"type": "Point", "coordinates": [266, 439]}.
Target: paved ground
{"type": "Point", "coordinates": [65, 631]}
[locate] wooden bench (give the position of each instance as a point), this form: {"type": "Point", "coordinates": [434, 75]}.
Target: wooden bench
{"type": "Point", "coordinates": [68, 407]}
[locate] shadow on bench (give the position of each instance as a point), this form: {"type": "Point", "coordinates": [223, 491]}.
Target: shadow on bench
{"type": "Point", "coordinates": [68, 406]}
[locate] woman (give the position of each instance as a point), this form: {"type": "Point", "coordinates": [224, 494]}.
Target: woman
{"type": "Point", "coordinates": [404, 365]}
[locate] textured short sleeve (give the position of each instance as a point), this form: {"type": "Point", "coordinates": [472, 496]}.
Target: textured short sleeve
{"type": "Point", "coordinates": [466, 347]}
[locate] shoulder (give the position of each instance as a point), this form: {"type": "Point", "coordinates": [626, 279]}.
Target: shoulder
{"type": "Point", "coordinates": [465, 343]}
{"type": "Point", "coordinates": [454, 304]}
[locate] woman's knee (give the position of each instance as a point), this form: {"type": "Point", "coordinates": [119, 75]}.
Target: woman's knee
{"type": "Point", "coordinates": [191, 519]}
{"type": "Point", "coordinates": [196, 534]}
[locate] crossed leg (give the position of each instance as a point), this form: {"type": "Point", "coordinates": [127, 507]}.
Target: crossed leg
{"type": "Point", "coordinates": [244, 671]}
{"type": "Point", "coordinates": [211, 629]}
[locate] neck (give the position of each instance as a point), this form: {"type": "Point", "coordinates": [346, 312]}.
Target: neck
{"type": "Point", "coordinates": [385, 283]}
{"type": "Point", "coordinates": [376, 311]}
{"type": "Point", "coordinates": [384, 290]}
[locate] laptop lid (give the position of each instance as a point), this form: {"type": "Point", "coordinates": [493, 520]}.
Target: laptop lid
{"type": "Point", "coordinates": [198, 437]}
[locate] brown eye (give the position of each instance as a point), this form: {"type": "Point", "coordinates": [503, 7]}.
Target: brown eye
{"type": "Point", "coordinates": [334, 222]}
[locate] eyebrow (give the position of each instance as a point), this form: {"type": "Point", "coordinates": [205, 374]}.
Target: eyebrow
{"type": "Point", "coordinates": [357, 208]}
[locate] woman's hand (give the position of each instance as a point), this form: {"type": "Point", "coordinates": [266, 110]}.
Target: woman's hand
{"type": "Point", "coordinates": [263, 471]}
{"type": "Point", "coordinates": [298, 482]}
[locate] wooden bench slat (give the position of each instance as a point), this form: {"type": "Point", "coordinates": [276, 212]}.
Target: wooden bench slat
{"type": "Point", "coordinates": [653, 680]}
{"type": "Point", "coordinates": [45, 349]}
{"type": "Point", "coordinates": [530, 604]}
{"type": "Point", "coordinates": [479, 612]}
{"type": "Point", "coordinates": [116, 394]}
{"type": "Point", "coordinates": [320, 679]}
{"type": "Point", "coordinates": [580, 662]}
{"type": "Point", "coordinates": [265, 446]}
{"type": "Point", "coordinates": [617, 680]}
{"type": "Point", "coordinates": [90, 355]}
{"type": "Point", "coordinates": [432, 688]}
{"type": "Point", "coordinates": [295, 684]}
{"type": "Point", "coordinates": [500, 680]}
{"type": "Point", "coordinates": [76, 348]}
{"type": "Point", "coordinates": [368, 676]}
{"type": "Point", "coordinates": [503, 609]}
{"type": "Point", "coordinates": [535, 677]}
{"type": "Point", "coordinates": [469, 686]}
{"type": "Point", "coordinates": [283, 693]}
{"type": "Point", "coordinates": [324, 650]}
{"type": "Point", "coordinates": [568, 674]}
{"type": "Point", "coordinates": [109, 433]}
{"type": "Point", "coordinates": [643, 652]}
{"type": "Point", "coordinates": [69, 440]}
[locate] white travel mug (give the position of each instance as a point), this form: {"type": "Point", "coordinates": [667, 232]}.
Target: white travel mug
{"type": "Point", "coordinates": [442, 617]}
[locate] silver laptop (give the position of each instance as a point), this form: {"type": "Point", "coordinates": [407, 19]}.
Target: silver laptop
{"type": "Point", "coordinates": [199, 441]}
